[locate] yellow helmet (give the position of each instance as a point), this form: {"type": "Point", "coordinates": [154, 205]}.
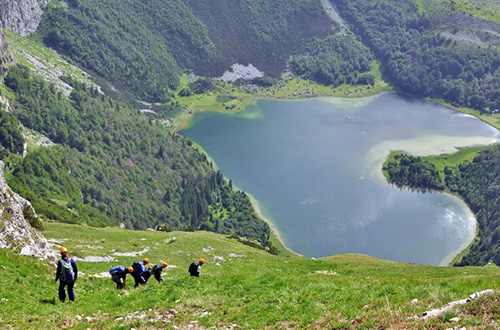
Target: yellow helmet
{"type": "Point", "coordinates": [164, 264]}
{"type": "Point", "coordinates": [130, 269]}
{"type": "Point", "coordinates": [64, 250]}
{"type": "Point", "coordinates": [201, 261]}
{"type": "Point", "coordinates": [146, 260]}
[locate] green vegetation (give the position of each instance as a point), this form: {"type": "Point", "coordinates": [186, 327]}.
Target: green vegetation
{"type": "Point", "coordinates": [418, 59]}
{"type": "Point", "coordinates": [474, 175]}
{"type": "Point", "coordinates": [485, 9]}
{"type": "Point", "coordinates": [113, 165]}
{"type": "Point", "coordinates": [144, 46]}
{"type": "Point", "coordinates": [11, 138]}
{"type": "Point", "coordinates": [405, 170]}
{"type": "Point", "coordinates": [462, 155]}
{"type": "Point", "coordinates": [42, 60]}
{"type": "Point", "coordinates": [335, 60]}
{"type": "Point", "coordinates": [256, 291]}
{"type": "Point", "coordinates": [228, 97]}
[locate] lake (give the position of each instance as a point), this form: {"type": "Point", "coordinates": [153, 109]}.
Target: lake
{"type": "Point", "coordinates": [314, 166]}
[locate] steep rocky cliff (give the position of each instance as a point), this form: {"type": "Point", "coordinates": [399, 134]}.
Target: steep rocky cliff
{"type": "Point", "coordinates": [5, 55]}
{"type": "Point", "coordinates": [17, 224]}
{"type": "Point", "coordinates": [21, 16]}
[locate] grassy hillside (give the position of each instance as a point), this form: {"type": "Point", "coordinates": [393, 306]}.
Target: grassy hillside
{"type": "Point", "coordinates": [256, 290]}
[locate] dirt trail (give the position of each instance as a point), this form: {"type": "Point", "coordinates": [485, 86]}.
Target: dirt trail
{"type": "Point", "coordinates": [331, 12]}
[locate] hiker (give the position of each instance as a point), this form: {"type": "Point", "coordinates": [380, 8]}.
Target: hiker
{"type": "Point", "coordinates": [195, 268]}
{"type": "Point", "coordinates": [157, 272]}
{"type": "Point", "coordinates": [119, 274]}
{"type": "Point", "coordinates": [66, 273]}
{"type": "Point", "coordinates": [140, 274]}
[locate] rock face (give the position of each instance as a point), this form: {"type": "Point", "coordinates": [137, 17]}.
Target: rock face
{"type": "Point", "coordinates": [21, 16]}
{"type": "Point", "coordinates": [17, 219]}
{"type": "Point", "coordinates": [5, 55]}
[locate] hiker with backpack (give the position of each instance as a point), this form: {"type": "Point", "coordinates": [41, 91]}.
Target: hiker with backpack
{"type": "Point", "coordinates": [156, 271]}
{"type": "Point", "coordinates": [119, 276]}
{"type": "Point", "coordinates": [66, 273]}
{"type": "Point", "coordinates": [140, 274]}
{"type": "Point", "coordinates": [195, 268]}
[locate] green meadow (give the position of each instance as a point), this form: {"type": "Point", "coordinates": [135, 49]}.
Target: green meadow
{"type": "Point", "coordinates": [239, 286]}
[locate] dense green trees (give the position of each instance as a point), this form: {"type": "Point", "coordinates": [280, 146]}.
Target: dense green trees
{"type": "Point", "coordinates": [335, 60]}
{"type": "Point", "coordinates": [418, 59]}
{"type": "Point", "coordinates": [409, 171]}
{"type": "Point", "coordinates": [143, 46]}
{"type": "Point", "coordinates": [112, 164]}
{"type": "Point", "coordinates": [477, 182]}
{"type": "Point", "coordinates": [11, 138]}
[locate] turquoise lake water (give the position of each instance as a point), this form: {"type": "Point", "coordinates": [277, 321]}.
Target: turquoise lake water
{"type": "Point", "coordinates": [314, 167]}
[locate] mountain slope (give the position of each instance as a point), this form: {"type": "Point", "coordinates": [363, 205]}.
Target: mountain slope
{"type": "Point", "coordinates": [431, 54]}
{"type": "Point", "coordinates": [143, 46]}
{"type": "Point", "coordinates": [251, 288]}
{"type": "Point", "coordinates": [111, 164]}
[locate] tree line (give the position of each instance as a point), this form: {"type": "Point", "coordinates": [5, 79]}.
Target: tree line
{"type": "Point", "coordinates": [418, 59]}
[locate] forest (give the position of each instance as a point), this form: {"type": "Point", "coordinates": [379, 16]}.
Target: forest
{"type": "Point", "coordinates": [335, 60]}
{"type": "Point", "coordinates": [143, 46]}
{"type": "Point", "coordinates": [477, 182]}
{"type": "Point", "coordinates": [418, 59]}
{"type": "Point", "coordinates": [113, 165]}
{"type": "Point", "coordinates": [408, 171]}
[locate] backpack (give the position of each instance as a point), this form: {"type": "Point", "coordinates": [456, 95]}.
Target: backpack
{"type": "Point", "coordinates": [67, 273]}
{"type": "Point", "coordinates": [193, 268]}
{"type": "Point", "coordinates": [138, 268]}
{"type": "Point", "coordinates": [116, 269]}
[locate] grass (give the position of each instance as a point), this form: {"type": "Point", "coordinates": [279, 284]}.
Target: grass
{"type": "Point", "coordinates": [257, 291]}
{"type": "Point", "coordinates": [462, 155]}
{"type": "Point", "coordinates": [443, 160]}
{"type": "Point", "coordinates": [485, 9]}
{"type": "Point", "coordinates": [44, 61]}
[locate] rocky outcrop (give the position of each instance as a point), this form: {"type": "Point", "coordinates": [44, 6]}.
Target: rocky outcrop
{"type": "Point", "coordinates": [17, 224]}
{"type": "Point", "coordinates": [21, 16]}
{"type": "Point", "coordinates": [5, 55]}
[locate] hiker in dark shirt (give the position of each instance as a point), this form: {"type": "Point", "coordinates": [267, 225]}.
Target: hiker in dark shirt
{"type": "Point", "coordinates": [157, 272]}
{"type": "Point", "coordinates": [140, 274]}
{"type": "Point", "coordinates": [195, 268]}
{"type": "Point", "coordinates": [66, 273]}
{"type": "Point", "coordinates": [119, 276]}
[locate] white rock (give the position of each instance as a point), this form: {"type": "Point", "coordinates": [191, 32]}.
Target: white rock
{"type": "Point", "coordinates": [131, 254]}
{"type": "Point", "coordinates": [234, 255]}
{"type": "Point", "coordinates": [17, 234]}
{"type": "Point", "coordinates": [239, 71]}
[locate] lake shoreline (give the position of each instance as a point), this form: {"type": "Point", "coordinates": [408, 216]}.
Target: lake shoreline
{"type": "Point", "coordinates": [274, 231]}
{"type": "Point", "coordinates": [451, 258]}
{"type": "Point", "coordinates": [185, 123]}
{"type": "Point", "coordinates": [258, 210]}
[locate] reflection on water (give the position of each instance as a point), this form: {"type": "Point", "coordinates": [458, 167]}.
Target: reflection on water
{"type": "Point", "coordinates": [314, 167]}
